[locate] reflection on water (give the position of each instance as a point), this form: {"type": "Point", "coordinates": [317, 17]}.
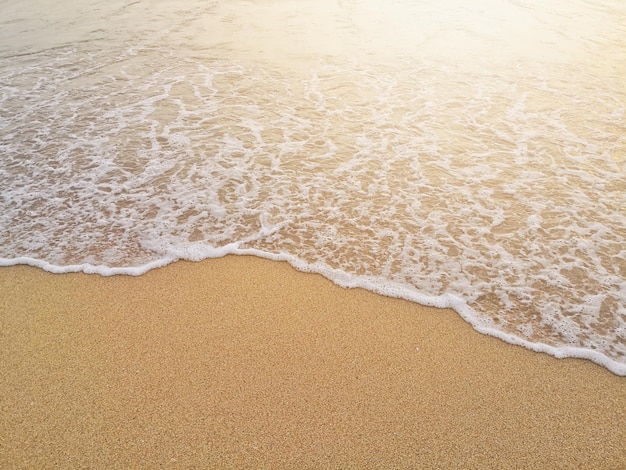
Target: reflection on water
{"type": "Point", "coordinates": [464, 155]}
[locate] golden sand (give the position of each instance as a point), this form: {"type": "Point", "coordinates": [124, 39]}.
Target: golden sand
{"type": "Point", "coordinates": [246, 363]}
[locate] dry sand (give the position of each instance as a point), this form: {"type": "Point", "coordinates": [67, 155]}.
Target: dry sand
{"type": "Point", "coordinates": [246, 363]}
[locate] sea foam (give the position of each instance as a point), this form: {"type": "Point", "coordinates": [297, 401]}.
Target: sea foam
{"type": "Point", "coordinates": [499, 195]}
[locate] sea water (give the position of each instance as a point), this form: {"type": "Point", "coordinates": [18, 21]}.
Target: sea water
{"type": "Point", "coordinates": [457, 154]}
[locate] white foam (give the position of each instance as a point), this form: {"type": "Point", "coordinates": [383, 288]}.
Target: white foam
{"type": "Point", "coordinates": [497, 195]}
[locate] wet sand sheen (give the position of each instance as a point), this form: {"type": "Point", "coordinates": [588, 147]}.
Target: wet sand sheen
{"type": "Point", "coordinates": [242, 362]}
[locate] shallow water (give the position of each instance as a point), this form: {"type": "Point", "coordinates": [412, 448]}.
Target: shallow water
{"type": "Point", "coordinates": [471, 156]}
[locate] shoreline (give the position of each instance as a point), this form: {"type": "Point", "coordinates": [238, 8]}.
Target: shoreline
{"type": "Point", "coordinates": [246, 362]}
{"type": "Point", "coordinates": [388, 289]}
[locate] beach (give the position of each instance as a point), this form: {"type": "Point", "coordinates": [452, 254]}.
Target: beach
{"type": "Point", "coordinates": [225, 227]}
{"type": "Point", "coordinates": [241, 362]}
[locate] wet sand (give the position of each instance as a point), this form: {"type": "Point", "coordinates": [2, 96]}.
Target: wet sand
{"type": "Point", "coordinates": [246, 363]}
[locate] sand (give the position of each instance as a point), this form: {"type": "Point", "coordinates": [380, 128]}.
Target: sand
{"type": "Point", "coordinates": [246, 363]}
